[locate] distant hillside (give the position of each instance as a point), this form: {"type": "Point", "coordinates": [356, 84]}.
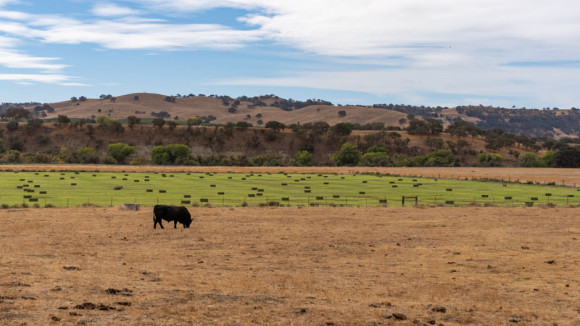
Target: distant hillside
{"type": "Point", "coordinates": [551, 123]}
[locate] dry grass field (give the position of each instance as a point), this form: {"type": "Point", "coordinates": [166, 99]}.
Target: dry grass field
{"type": "Point", "coordinates": [292, 266]}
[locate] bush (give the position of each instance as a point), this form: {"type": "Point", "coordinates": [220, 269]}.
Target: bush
{"type": "Point", "coordinates": [441, 157]}
{"type": "Point", "coordinates": [528, 160]}
{"type": "Point", "coordinates": [303, 158]}
{"type": "Point", "coordinates": [170, 154]}
{"type": "Point", "coordinates": [342, 129]}
{"type": "Point", "coordinates": [267, 160]}
{"type": "Point", "coordinates": [486, 159]}
{"type": "Point", "coordinates": [348, 155]}
{"type": "Point", "coordinates": [375, 159]}
{"type": "Point", "coordinates": [12, 125]}
{"type": "Point", "coordinates": [85, 155]}
{"type": "Point", "coordinates": [120, 151]}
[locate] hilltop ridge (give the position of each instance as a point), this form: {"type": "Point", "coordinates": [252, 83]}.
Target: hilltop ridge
{"type": "Point", "coordinates": [551, 123]}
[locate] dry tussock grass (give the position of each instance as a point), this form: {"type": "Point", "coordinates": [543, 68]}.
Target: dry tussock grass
{"type": "Point", "coordinates": [301, 266]}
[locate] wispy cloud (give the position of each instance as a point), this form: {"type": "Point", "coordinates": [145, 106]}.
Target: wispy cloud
{"type": "Point", "coordinates": [58, 79]}
{"type": "Point", "coordinates": [15, 59]}
{"type": "Point", "coordinates": [113, 10]}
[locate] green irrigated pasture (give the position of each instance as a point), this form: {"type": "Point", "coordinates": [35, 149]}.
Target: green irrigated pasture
{"type": "Point", "coordinates": [67, 189]}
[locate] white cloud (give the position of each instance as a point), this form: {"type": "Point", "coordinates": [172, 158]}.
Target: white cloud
{"type": "Point", "coordinates": [113, 10]}
{"type": "Point", "coordinates": [539, 85]}
{"type": "Point", "coordinates": [129, 33]}
{"type": "Point", "coordinates": [15, 59]}
{"type": "Point", "coordinates": [41, 78]}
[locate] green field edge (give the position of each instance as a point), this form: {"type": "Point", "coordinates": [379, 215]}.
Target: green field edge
{"type": "Point", "coordinates": [106, 189]}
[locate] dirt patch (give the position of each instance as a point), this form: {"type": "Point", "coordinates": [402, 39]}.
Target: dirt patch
{"type": "Point", "coordinates": [307, 266]}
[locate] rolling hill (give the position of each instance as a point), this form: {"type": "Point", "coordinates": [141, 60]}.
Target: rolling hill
{"type": "Point", "coordinates": [552, 123]}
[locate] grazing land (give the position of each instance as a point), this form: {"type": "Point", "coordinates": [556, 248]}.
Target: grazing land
{"type": "Point", "coordinates": [290, 265]}
{"type": "Point", "coordinates": [66, 189]}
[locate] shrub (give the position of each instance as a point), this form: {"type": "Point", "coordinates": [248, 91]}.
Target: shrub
{"type": "Point", "coordinates": [486, 159]}
{"type": "Point", "coordinates": [170, 154]}
{"type": "Point", "coordinates": [342, 129]}
{"type": "Point", "coordinates": [347, 155]}
{"type": "Point", "coordinates": [375, 159]}
{"type": "Point", "coordinates": [266, 160]}
{"type": "Point", "coordinates": [85, 155]}
{"type": "Point", "coordinates": [120, 151]}
{"type": "Point", "coordinates": [12, 125]}
{"type": "Point", "coordinates": [303, 158]}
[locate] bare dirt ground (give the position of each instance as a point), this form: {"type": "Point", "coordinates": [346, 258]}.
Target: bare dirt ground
{"type": "Point", "coordinates": [568, 177]}
{"type": "Point", "coordinates": [284, 266]}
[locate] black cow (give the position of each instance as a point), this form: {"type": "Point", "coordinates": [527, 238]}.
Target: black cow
{"type": "Point", "coordinates": [171, 213]}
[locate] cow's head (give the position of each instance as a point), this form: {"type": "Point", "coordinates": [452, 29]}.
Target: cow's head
{"type": "Point", "coordinates": [187, 221]}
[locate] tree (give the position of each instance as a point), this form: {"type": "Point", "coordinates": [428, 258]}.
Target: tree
{"type": "Point", "coordinates": [74, 99]}
{"type": "Point", "coordinates": [12, 125]}
{"type": "Point", "coordinates": [435, 126]}
{"type": "Point", "coordinates": [275, 126]}
{"type": "Point", "coordinates": [120, 151]}
{"type": "Point", "coordinates": [132, 121]}
{"type": "Point", "coordinates": [172, 125]}
{"type": "Point", "coordinates": [33, 125]}
{"type": "Point", "coordinates": [434, 143]}
{"type": "Point", "coordinates": [441, 157]}
{"type": "Point", "coordinates": [342, 113]}
{"type": "Point", "coordinates": [243, 125]}
{"type": "Point", "coordinates": [85, 155]}
{"type": "Point", "coordinates": [82, 98]}
{"type": "Point", "coordinates": [376, 156]}
{"type": "Point", "coordinates": [342, 129]}
{"type": "Point", "coordinates": [347, 155]}
{"type": "Point", "coordinates": [462, 129]}
{"type": "Point", "coordinates": [303, 158]}
{"type": "Point", "coordinates": [63, 120]}
{"type": "Point", "coordinates": [170, 154]}
{"type": "Point", "coordinates": [418, 127]}
{"type": "Point", "coordinates": [486, 159]}
{"type": "Point", "coordinates": [528, 160]}
{"type": "Point", "coordinates": [193, 121]}
{"type": "Point", "coordinates": [159, 123]}
{"type": "Point", "coordinates": [568, 157]}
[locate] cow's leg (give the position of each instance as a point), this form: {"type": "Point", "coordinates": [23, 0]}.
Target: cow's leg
{"type": "Point", "coordinates": [161, 225]}
{"type": "Point", "coordinates": [175, 224]}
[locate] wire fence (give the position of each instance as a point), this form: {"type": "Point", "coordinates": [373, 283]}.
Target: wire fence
{"type": "Point", "coordinates": [256, 200]}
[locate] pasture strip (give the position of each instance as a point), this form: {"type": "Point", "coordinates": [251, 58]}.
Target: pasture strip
{"type": "Point", "coordinates": [74, 188]}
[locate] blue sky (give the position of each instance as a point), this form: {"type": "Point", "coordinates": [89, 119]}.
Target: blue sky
{"type": "Point", "coordinates": [447, 52]}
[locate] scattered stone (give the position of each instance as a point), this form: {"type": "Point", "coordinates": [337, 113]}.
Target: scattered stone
{"type": "Point", "coordinates": [62, 308]}
{"type": "Point", "coordinates": [399, 316]}
{"type": "Point", "coordinates": [551, 262]}
{"type": "Point", "coordinates": [439, 309]}
{"type": "Point", "coordinates": [380, 305]}
{"type": "Point", "coordinates": [74, 314]}
{"type": "Point", "coordinates": [71, 268]}
{"type": "Point", "coordinates": [456, 253]}
{"type": "Point", "coordinates": [54, 318]}
{"type": "Point", "coordinates": [92, 306]}
{"type": "Point", "coordinates": [301, 311]}
{"type": "Point", "coordinates": [453, 271]}
{"type": "Point", "coordinates": [57, 288]}
{"type": "Point", "coordinates": [525, 248]}
{"type": "Point", "coordinates": [123, 303]}
{"type": "Point", "coordinates": [431, 322]}
{"type": "Point", "coordinates": [123, 292]}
